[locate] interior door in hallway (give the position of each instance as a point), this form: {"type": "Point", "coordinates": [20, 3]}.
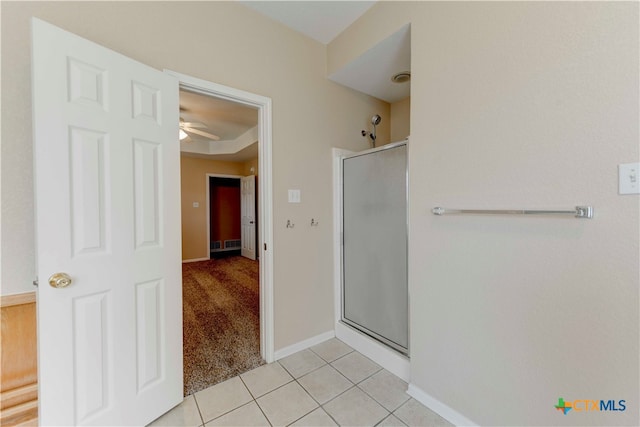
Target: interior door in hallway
{"type": "Point", "coordinates": [248, 209]}
{"type": "Point", "coordinates": [107, 195]}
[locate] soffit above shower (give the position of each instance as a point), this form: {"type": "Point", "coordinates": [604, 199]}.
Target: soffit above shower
{"type": "Point", "coordinates": [371, 72]}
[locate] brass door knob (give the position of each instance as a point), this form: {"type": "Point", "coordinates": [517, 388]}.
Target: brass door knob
{"type": "Point", "coordinates": [60, 280]}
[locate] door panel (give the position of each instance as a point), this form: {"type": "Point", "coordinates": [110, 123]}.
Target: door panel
{"type": "Point", "coordinates": [149, 331]}
{"type": "Point", "coordinates": [92, 351]}
{"type": "Point", "coordinates": [106, 161]}
{"type": "Point", "coordinates": [147, 171]}
{"type": "Point", "coordinates": [88, 193]}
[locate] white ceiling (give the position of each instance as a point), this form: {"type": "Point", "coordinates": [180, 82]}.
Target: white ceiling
{"type": "Point", "coordinates": [324, 20]}
{"type": "Point", "coordinates": [223, 118]}
{"type": "Point", "coordinates": [320, 20]}
{"type": "Point", "coordinates": [234, 123]}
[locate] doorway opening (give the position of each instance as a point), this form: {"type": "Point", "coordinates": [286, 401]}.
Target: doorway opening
{"type": "Point", "coordinates": [232, 215]}
{"type": "Point", "coordinates": [230, 338]}
{"type": "Point", "coordinates": [225, 219]}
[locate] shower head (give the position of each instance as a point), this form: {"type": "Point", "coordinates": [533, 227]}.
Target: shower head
{"type": "Point", "coordinates": [375, 120]}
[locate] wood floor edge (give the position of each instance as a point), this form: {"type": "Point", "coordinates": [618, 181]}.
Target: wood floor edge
{"type": "Point", "coordinates": [18, 396]}
{"type": "Point", "coordinates": [17, 299]}
{"type": "Point", "coordinates": [20, 414]}
{"type": "Point", "coordinates": [31, 422]}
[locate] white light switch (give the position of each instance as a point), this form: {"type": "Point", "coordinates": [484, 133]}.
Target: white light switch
{"type": "Point", "coordinates": [294, 196]}
{"type": "Point", "coordinates": [196, 204]}
{"type": "Point", "coordinates": [629, 178]}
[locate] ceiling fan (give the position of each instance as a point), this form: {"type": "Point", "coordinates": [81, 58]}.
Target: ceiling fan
{"type": "Point", "coordinates": [187, 128]}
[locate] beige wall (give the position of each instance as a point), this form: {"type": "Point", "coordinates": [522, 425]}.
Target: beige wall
{"type": "Point", "coordinates": [523, 105]}
{"type": "Point", "coordinates": [246, 167]}
{"type": "Point", "coordinates": [310, 115]}
{"type": "Point", "coordinates": [400, 119]}
{"type": "Point", "coordinates": [193, 179]}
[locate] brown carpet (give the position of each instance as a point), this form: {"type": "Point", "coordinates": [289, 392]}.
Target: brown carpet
{"type": "Point", "coordinates": [221, 320]}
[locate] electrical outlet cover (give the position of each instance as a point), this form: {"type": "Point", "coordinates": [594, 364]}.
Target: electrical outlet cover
{"type": "Point", "coordinates": [629, 178]}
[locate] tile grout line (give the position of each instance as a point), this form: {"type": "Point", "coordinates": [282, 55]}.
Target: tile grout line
{"type": "Point", "coordinates": [299, 385]}
{"type": "Point", "coordinates": [327, 412]}
{"type": "Point", "coordinates": [198, 408]}
{"type": "Point", "coordinates": [321, 405]}
{"type": "Point", "coordinates": [374, 399]}
{"type": "Point", "coordinates": [238, 407]}
{"type": "Point", "coordinates": [296, 420]}
{"type": "Point", "coordinates": [256, 401]}
{"type": "Point", "coordinates": [357, 385]}
{"type": "Point", "coordinates": [353, 385]}
{"type": "Point", "coordinates": [277, 388]}
{"type": "Point", "coordinates": [349, 389]}
{"type": "Point", "coordinates": [306, 373]}
{"type": "Point", "coordinates": [403, 423]}
{"type": "Point", "coordinates": [325, 363]}
{"type": "Point", "coordinates": [340, 357]}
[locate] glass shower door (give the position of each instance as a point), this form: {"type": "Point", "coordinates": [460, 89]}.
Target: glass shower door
{"type": "Point", "coordinates": [374, 255]}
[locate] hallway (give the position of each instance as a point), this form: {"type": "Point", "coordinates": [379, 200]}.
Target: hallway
{"type": "Point", "coordinates": [221, 320]}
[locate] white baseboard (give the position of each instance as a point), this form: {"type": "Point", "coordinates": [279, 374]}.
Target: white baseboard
{"type": "Point", "coordinates": [184, 261]}
{"type": "Point", "coordinates": [438, 407]}
{"type": "Point", "coordinates": [303, 345]}
{"type": "Point", "coordinates": [389, 359]}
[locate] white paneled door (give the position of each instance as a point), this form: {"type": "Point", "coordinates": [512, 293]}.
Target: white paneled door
{"type": "Point", "coordinates": [248, 223]}
{"type": "Point", "coordinates": [106, 159]}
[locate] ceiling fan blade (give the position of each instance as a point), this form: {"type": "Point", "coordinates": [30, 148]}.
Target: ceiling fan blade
{"type": "Point", "coordinates": [202, 133]}
{"type": "Point", "coordinates": [196, 125]}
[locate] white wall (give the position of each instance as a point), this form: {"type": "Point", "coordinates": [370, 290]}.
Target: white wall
{"type": "Point", "coordinates": [520, 104]}
{"type": "Point", "coordinates": [226, 43]}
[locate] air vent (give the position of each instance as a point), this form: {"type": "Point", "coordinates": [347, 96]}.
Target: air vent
{"type": "Point", "coordinates": [232, 244]}
{"type": "Point", "coordinates": [402, 77]}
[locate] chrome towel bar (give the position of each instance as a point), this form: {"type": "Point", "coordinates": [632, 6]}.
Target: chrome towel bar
{"type": "Point", "coordinates": [578, 212]}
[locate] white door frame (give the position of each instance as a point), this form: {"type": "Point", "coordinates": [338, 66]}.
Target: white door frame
{"type": "Point", "coordinates": [213, 175]}
{"type": "Point", "coordinates": [265, 191]}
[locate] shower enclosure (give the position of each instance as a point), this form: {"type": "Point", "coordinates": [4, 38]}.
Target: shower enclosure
{"type": "Point", "coordinates": [374, 245]}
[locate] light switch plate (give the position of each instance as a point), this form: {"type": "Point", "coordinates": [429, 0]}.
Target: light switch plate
{"type": "Point", "coordinates": [629, 178]}
{"type": "Point", "coordinates": [294, 196]}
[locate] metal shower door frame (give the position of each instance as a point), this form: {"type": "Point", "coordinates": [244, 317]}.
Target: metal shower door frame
{"type": "Point", "coordinates": [391, 344]}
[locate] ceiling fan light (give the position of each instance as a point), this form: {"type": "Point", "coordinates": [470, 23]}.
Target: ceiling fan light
{"type": "Point", "coordinates": [183, 135]}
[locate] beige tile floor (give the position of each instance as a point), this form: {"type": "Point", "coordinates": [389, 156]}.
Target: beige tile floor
{"type": "Point", "coordinates": [329, 384]}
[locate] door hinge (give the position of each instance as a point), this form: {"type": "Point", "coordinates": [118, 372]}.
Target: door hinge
{"type": "Point", "coordinates": [35, 282]}
{"type": "Point", "coordinates": [265, 246]}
